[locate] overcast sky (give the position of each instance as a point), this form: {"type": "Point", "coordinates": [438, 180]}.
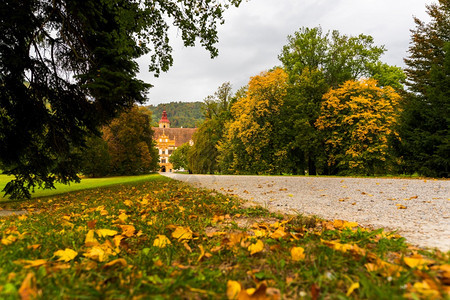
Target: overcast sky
{"type": "Point", "coordinates": [253, 35]}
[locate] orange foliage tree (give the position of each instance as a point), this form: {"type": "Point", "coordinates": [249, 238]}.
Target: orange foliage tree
{"type": "Point", "coordinates": [358, 119]}
{"type": "Point", "coordinates": [253, 143]}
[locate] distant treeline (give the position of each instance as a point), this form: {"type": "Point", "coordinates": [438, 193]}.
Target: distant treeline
{"type": "Point", "coordinates": [180, 114]}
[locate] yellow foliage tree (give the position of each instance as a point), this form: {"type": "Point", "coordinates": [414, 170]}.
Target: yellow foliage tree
{"type": "Point", "coordinates": [252, 143]}
{"type": "Point", "coordinates": [358, 119]}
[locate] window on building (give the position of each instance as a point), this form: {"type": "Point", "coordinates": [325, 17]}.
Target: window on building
{"type": "Point", "coordinates": [170, 152]}
{"type": "Point", "coordinates": [163, 160]}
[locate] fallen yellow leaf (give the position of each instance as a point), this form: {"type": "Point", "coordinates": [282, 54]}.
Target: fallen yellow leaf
{"type": "Point", "coordinates": [233, 289]}
{"type": "Point", "coordinates": [297, 253]}
{"type": "Point", "coordinates": [128, 230]}
{"type": "Point", "coordinates": [95, 253]}
{"type": "Point", "coordinates": [9, 240]}
{"type": "Point", "coordinates": [279, 233]}
{"type": "Point", "coordinates": [256, 247]}
{"type": "Point", "coordinates": [117, 239]}
{"type": "Point", "coordinates": [424, 289]}
{"type": "Point", "coordinates": [259, 233]}
{"type": "Point", "coordinates": [28, 289]}
{"type": "Point", "coordinates": [182, 234]}
{"type": "Point", "coordinates": [120, 261]}
{"type": "Point", "coordinates": [66, 255]}
{"type": "Point", "coordinates": [123, 217]}
{"type": "Point", "coordinates": [90, 240]}
{"type": "Point", "coordinates": [31, 263]}
{"type": "Point", "coordinates": [353, 287]}
{"type": "Point", "coordinates": [417, 261]}
{"type": "Point", "coordinates": [128, 203]}
{"type": "Point", "coordinates": [106, 232]}
{"type": "Point", "coordinates": [161, 241]}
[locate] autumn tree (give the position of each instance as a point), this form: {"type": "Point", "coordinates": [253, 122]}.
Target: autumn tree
{"type": "Point", "coordinates": [425, 146]}
{"type": "Point", "coordinates": [130, 143]}
{"type": "Point", "coordinates": [253, 142]}
{"type": "Point", "coordinates": [203, 154]}
{"type": "Point", "coordinates": [358, 118]}
{"type": "Point", "coordinates": [315, 62]}
{"type": "Point", "coordinates": [68, 67]}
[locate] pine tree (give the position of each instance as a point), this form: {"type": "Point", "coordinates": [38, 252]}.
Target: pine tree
{"type": "Point", "coordinates": [425, 146]}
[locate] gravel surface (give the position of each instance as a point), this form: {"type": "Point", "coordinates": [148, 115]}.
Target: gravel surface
{"type": "Point", "coordinates": [418, 209]}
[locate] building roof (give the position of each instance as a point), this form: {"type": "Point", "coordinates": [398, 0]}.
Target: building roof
{"type": "Point", "coordinates": [180, 135]}
{"type": "Point", "coordinates": [164, 118]}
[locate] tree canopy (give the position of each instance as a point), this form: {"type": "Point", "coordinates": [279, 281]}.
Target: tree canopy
{"type": "Point", "coordinates": [180, 114]}
{"type": "Point", "coordinates": [203, 154]}
{"type": "Point", "coordinates": [424, 130]}
{"type": "Point", "coordinates": [67, 67]}
{"type": "Point", "coordinates": [358, 119]}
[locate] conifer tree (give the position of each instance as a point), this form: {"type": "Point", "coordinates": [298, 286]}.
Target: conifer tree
{"type": "Point", "coordinates": [424, 131]}
{"type": "Point", "coordinates": [68, 66]}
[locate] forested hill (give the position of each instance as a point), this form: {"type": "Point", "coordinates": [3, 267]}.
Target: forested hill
{"type": "Point", "coordinates": [180, 114]}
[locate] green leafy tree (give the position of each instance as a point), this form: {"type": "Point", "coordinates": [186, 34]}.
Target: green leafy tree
{"type": "Point", "coordinates": [358, 119]}
{"type": "Point", "coordinates": [203, 154]}
{"type": "Point", "coordinates": [425, 146]}
{"type": "Point", "coordinates": [68, 67]}
{"type": "Point", "coordinates": [130, 143]}
{"type": "Point", "coordinates": [179, 157]}
{"type": "Point", "coordinates": [96, 161]}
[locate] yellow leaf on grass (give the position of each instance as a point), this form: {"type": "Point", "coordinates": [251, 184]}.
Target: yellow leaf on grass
{"type": "Point", "coordinates": [256, 247]}
{"type": "Point", "coordinates": [90, 240]}
{"type": "Point", "coordinates": [106, 232]}
{"type": "Point", "coordinates": [128, 230]}
{"type": "Point", "coordinates": [233, 289]}
{"type": "Point", "coordinates": [120, 261]}
{"type": "Point", "coordinates": [66, 255]}
{"type": "Point", "coordinates": [297, 253]}
{"type": "Point", "coordinates": [128, 203]}
{"type": "Point", "coordinates": [28, 289]}
{"type": "Point", "coordinates": [31, 263]}
{"type": "Point", "coordinates": [341, 224]}
{"type": "Point", "coordinates": [182, 233]}
{"type": "Point", "coordinates": [279, 233]}
{"type": "Point", "coordinates": [259, 233]}
{"type": "Point", "coordinates": [34, 247]}
{"type": "Point", "coordinates": [123, 217]}
{"type": "Point", "coordinates": [425, 290]}
{"type": "Point", "coordinates": [161, 241]}
{"type": "Point", "coordinates": [353, 287]}
{"type": "Point", "coordinates": [9, 240]}
{"type": "Point", "coordinates": [416, 261]}
{"type": "Point", "coordinates": [117, 239]}
{"type": "Point", "coordinates": [95, 253]}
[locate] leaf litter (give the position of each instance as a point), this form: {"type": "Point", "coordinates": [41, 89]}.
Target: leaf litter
{"type": "Point", "coordinates": [166, 238]}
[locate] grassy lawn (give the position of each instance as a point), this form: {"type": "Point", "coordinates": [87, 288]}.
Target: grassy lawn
{"type": "Point", "coordinates": [86, 183]}
{"type": "Point", "coordinates": [162, 239]}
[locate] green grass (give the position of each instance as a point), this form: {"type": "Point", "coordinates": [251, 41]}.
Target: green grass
{"type": "Point", "coordinates": [86, 183]}
{"type": "Point", "coordinates": [211, 238]}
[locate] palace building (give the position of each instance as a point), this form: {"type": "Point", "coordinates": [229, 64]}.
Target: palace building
{"type": "Point", "coordinates": [168, 139]}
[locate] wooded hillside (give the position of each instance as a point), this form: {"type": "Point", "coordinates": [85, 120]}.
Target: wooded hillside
{"type": "Point", "coordinates": [180, 114]}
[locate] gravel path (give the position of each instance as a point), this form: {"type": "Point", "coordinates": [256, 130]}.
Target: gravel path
{"type": "Point", "coordinates": [418, 209]}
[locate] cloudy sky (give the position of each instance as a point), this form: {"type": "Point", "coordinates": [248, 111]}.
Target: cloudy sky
{"type": "Point", "coordinates": [253, 35]}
